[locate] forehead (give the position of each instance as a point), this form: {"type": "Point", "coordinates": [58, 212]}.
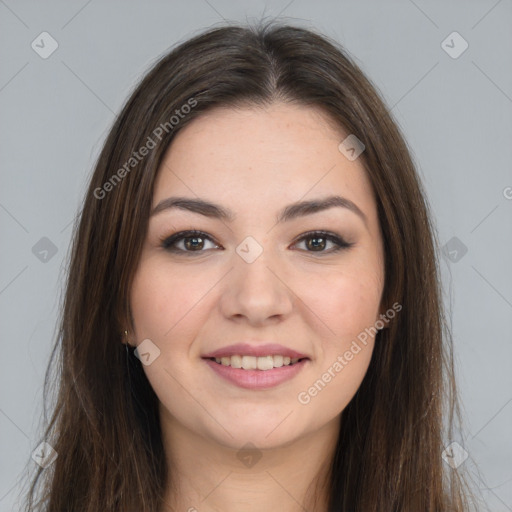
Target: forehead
{"type": "Point", "coordinates": [255, 158]}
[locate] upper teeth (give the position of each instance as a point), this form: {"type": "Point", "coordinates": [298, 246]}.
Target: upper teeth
{"type": "Point", "coordinates": [253, 363]}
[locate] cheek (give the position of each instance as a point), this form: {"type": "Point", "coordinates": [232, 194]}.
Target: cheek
{"type": "Point", "coordinates": [162, 298]}
{"type": "Point", "coordinates": [166, 308]}
{"type": "Point", "coordinates": [347, 302]}
{"type": "Point", "coordinates": [349, 307]}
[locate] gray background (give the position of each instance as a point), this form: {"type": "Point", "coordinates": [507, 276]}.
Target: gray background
{"type": "Point", "coordinates": [455, 113]}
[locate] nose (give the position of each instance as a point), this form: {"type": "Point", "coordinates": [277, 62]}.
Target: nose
{"type": "Point", "coordinates": [256, 292]}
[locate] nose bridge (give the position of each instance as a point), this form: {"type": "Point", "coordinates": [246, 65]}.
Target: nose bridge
{"type": "Point", "coordinates": [253, 290]}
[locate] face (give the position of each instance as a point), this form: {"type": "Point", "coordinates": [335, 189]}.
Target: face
{"type": "Point", "coordinates": [309, 281]}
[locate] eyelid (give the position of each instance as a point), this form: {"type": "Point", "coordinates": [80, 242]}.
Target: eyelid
{"type": "Point", "coordinates": [338, 240]}
{"type": "Point", "coordinates": [168, 241]}
{"type": "Point", "coordinates": [320, 233]}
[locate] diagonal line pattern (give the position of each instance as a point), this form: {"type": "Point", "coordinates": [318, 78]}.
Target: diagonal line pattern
{"type": "Point", "coordinates": [13, 13]}
{"type": "Point", "coordinates": [217, 486]}
{"type": "Point", "coordinates": [216, 10]}
{"type": "Point", "coordinates": [485, 15]}
{"type": "Point", "coordinates": [498, 486]}
{"type": "Point", "coordinates": [9, 491]}
{"type": "Point", "coordinates": [492, 211]}
{"type": "Point", "coordinates": [424, 14]}
{"type": "Point", "coordinates": [492, 81]}
{"type": "Point", "coordinates": [74, 16]}
{"type": "Point", "coordinates": [497, 291]}
{"type": "Point", "coordinates": [280, 423]}
{"type": "Point", "coordinates": [500, 500]}
{"type": "Point", "coordinates": [12, 280]}
{"type": "Point", "coordinates": [13, 77]}
{"type": "Point", "coordinates": [501, 409]}
{"type": "Point", "coordinates": [88, 88]}
{"type": "Point", "coordinates": [414, 86]}
{"type": "Point", "coordinates": [66, 226]}
{"type": "Point", "coordinates": [286, 491]}
{"type": "Point", "coordinates": [14, 424]}
{"type": "Point", "coordinates": [14, 218]}
{"type": "Point", "coordinates": [490, 489]}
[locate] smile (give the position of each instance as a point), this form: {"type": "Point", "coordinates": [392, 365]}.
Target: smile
{"type": "Point", "coordinates": [256, 373]}
{"type": "Point", "coordinates": [264, 363]}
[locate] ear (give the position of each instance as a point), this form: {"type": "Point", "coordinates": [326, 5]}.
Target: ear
{"type": "Point", "coordinates": [125, 338]}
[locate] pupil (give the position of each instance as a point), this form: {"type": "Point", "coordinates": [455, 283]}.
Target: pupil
{"type": "Point", "coordinates": [194, 242]}
{"type": "Point", "coordinates": [315, 244]}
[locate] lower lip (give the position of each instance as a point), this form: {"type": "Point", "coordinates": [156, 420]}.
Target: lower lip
{"type": "Point", "coordinates": [256, 379]}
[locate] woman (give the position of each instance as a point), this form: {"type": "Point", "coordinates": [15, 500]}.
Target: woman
{"type": "Point", "coordinates": [253, 317]}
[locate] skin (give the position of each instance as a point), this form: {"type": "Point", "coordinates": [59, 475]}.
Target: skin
{"type": "Point", "coordinates": [256, 161]}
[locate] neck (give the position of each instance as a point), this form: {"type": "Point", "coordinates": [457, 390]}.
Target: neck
{"type": "Point", "coordinates": [205, 476]}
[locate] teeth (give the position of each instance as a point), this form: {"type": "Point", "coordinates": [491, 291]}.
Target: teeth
{"type": "Point", "coordinates": [265, 363]}
{"type": "Point", "coordinates": [236, 361]}
{"type": "Point", "coordinates": [253, 363]}
{"type": "Point", "coordinates": [249, 363]}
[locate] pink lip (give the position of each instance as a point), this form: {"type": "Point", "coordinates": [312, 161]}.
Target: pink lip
{"type": "Point", "coordinates": [244, 349]}
{"type": "Point", "coordinates": [256, 379]}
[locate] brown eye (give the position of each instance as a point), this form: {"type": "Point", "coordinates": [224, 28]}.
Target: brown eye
{"type": "Point", "coordinates": [188, 242]}
{"type": "Point", "coordinates": [317, 241]}
{"type": "Point", "coordinates": [193, 243]}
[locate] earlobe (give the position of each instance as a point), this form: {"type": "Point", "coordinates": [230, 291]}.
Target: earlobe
{"type": "Point", "coordinates": [124, 338]}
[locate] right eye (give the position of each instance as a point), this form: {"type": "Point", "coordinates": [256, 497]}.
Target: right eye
{"type": "Point", "coordinates": [187, 242]}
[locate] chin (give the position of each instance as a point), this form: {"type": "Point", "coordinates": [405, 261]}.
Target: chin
{"type": "Point", "coordinates": [260, 432]}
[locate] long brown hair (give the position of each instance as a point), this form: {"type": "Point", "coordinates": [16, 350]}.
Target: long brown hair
{"type": "Point", "coordinates": [105, 423]}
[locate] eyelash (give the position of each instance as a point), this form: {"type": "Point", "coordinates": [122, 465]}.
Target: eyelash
{"type": "Point", "coordinates": [167, 243]}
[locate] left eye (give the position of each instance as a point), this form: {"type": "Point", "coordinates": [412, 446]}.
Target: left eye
{"type": "Point", "coordinates": [195, 241]}
{"type": "Point", "coordinates": [318, 240]}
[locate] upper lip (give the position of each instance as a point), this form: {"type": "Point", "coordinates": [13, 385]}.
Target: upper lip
{"type": "Point", "coordinates": [260, 350]}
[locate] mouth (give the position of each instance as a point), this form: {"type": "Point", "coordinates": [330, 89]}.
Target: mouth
{"type": "Point", "coordinates": [256, 373]}
{"type": "Point", "coordinates": [262, 363]}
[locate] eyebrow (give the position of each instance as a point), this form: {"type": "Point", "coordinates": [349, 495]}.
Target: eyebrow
{"type": "Point", "coordinates": [290, 212]}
